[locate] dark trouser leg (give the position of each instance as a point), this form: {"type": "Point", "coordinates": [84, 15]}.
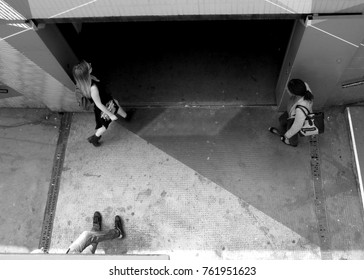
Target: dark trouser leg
{"type": "Point", "coordinates": [294, 140]}
{"type": "Point", "coordinates": [285, 125]}
{"type": "Point", "coordinates": [283, 122]}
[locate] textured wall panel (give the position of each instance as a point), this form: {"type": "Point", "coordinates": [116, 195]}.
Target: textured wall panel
{"type": "Point", "coordinates": [354, 73]}
{"type": "Point", "coordinates": [329, 54]}
{"type": "Point", "coordinates": [8, 13]}
{"type": "Point", "coordinates": [7, 92]}
{"type": "Point", "coordinates": [21, 6]}
{"type": "Point", "coordinates": [37, 86]}
{"type": "Point", "coordinates": [20, 102]}
{"type": "Point", "coordinates": [110, 8]}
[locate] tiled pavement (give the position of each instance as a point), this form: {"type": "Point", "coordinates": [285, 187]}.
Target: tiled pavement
{"type": "Point", "coordinates": [198, 182]}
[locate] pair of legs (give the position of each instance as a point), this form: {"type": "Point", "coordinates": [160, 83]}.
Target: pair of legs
{"type": "Point", "coordinates": [120, 112]}
{"type": "Point", "coordinates": [103, 124]}
{"type": "Point", "coordinates": [87, 242]}
{"type": "Point", "coordinates": [285, 124]}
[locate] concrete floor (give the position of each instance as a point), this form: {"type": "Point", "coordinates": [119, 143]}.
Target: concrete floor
{"type": "Point", "coordinates": [28, 139]}
{"type": "Point", "coordinates": [225, 189]}
{"type": "Point", "coordinates": [201, 182]}
{"type": "Point", "coordinates": [343, 203]}
{"type": "Point", "coordinates": [354, 115]}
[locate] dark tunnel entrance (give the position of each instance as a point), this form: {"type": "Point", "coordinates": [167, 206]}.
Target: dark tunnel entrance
{"type": "Point", "coordinates": [225, 62]}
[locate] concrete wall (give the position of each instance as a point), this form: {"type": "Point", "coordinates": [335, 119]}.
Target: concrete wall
{"type": "Point", "coordinates": [21, 6]}
{"type": "Point", "coordinates": [329, 53]}
{"type": "Point", "coordinates": [354, 72]}
{"type": "Point", "coordinates": [286, 70]}
{"type": "Point", "coordinates": [7, 92]}
{"type": "Point", "coordinates": [29, 67]}
{"type": "Point", "coordinates": [118, 8]}
{"type": "Point", "coordinates": [61, 51]}
{"type": "Point", "coordinates": [325, 53]}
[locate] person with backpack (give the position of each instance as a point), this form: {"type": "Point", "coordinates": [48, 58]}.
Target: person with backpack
{"type": "Point", "coordinates": [299, 106]}
{"type": "Point", "coordinates": [105, 107]}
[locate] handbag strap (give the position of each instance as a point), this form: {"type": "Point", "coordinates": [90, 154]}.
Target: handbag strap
{"type": "Point", "coordinates": [301, 107]}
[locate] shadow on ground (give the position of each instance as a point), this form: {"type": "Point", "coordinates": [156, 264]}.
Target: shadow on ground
{"type": "Point", "coordinates": [233, 148]}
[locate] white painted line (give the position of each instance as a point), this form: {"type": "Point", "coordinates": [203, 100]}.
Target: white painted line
{"type": "Point", "coordinates": [1, 39]}
{"type": "Point", "coordinates": [280, 7]}
{"type": "Point", "coordinates": [356, 157]}
{"type": "Point", "coordinates": [362, 45]}
{"type": "Point", "coordinates": [337, 37]}
{"type": "Point", "coordinates": [17, 33]}
{"type": "Point", "coordinates": [8, 13]}
{"type": "Point", "coordinates": [7, 9]}
{"type": "Point", "coordinates": [80, 6]}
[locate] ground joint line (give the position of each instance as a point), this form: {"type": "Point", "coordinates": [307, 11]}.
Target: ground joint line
{"type": "Point", "coordinates": [280, 6]}
{"type": "Point", "coordinates": [69, 10]}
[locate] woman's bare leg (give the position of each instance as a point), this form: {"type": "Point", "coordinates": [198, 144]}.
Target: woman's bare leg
{"type": "Point", "coordinates": [100, 131]}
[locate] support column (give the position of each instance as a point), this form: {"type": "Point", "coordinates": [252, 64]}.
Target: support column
{"type": "Point", "coordinates": [37, 64]}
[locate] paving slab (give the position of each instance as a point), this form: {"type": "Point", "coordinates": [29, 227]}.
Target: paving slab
{"type": "Point", "coordinates": [168, 207]}
{"type": "Point", "coordinates": [28, 139]}
{"type": "Point", "coordinates": [342, 187]}
{"type": "Point", "coordinates": [233, 148]}
{"type": "Point", "coordinates": [208, 183]}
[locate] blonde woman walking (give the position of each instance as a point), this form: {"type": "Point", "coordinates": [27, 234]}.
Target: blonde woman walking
{"type": "Point", "coordinates": [105, 107]}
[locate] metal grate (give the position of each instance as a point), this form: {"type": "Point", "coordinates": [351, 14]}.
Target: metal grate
{"type": "Point", "coordinates": [53, 191]}
{"type": "Point", "coordinates": [319, 199]}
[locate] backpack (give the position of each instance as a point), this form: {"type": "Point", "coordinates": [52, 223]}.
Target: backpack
{"type": "Point", "coordinates": [314, 122]}
{"type": "Point", "coordinates": [83, 102]}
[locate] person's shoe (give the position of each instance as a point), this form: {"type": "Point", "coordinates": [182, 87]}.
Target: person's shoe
{"type": "Point", "coordinates": [274, 131]}
{"type": "Point", "coordinates": [119, 226]}
{"type": "Point", "coordinates": [96, 221]}
{"type": "Point", "coordinates": [287, 142]}
{"type": "Point", "coordinates": [94, 140]}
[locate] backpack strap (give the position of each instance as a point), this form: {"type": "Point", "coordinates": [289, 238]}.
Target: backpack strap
{"type": "Point", "coordinates": [303, 107]}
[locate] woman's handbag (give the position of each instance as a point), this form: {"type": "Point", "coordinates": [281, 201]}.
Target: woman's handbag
{"type": "Point", "coordinates": [83, 102]}
{"type": "Point", "coordinates": [314, 122]}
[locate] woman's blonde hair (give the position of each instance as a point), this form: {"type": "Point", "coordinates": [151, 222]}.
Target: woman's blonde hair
{"type": "Point", "coordinates": [81, 74]}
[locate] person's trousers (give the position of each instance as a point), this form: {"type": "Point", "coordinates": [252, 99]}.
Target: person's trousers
{"type": "Point", "coordinates": [87, 242]}
{"type": "Point", "coordinates": [285, 124]}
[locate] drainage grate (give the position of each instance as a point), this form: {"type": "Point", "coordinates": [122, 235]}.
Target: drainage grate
{"type": "Point", "coordinates": [319, 198]}
{"type": "Point", "coordinates": [53, 191]}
